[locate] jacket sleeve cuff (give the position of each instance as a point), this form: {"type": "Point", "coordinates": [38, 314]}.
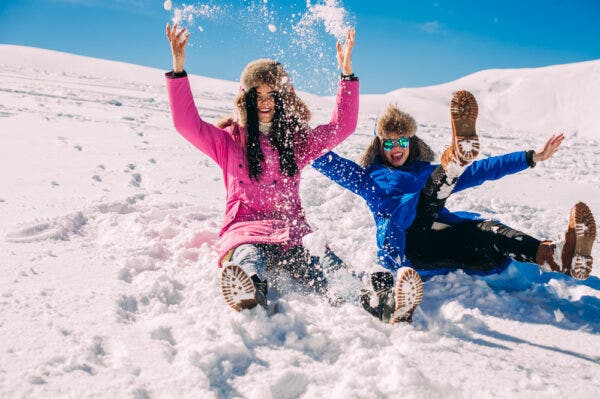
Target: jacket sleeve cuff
{"type": "Point", "coordinates": [529, 156]}
{"type": "Point", "coordinates": [351, 77]}
{"type": "Point", "coordinates": [174, 75]}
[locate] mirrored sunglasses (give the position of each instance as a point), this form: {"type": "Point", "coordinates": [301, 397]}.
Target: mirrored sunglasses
{"type": "Point", "coordinates": [388, 144]}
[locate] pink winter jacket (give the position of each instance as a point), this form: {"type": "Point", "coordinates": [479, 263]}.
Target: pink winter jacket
{"type": "Point", "coordinates": [268, 210]}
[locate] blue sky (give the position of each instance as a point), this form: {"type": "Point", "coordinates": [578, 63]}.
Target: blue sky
{"type": "Point", "coordinates": [399, 43]}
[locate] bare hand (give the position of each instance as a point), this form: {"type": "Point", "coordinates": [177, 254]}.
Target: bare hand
{"type": "Point", "coordinates": [344, 53]}
{"type": "Point", "coordinates": [178, 40]}
{"type": "Point", "coordinates": [549, 149]}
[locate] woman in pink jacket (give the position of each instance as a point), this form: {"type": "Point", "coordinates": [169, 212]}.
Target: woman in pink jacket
{"type": "Point", "coordinates": [261, 154]}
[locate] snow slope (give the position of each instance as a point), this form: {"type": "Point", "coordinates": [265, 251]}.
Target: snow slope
{"type": "Point", "coordinates": [109, 222]}
{"type": "Point", "coordinates": [537, 100]}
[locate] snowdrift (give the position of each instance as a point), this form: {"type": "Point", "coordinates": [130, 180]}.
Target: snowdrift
{"type": "Point", "coordinates": [109, 283]}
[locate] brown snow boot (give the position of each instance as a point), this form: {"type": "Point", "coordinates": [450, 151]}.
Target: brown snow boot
{"type": "Point", "coordinates": [409, 294]}
{"type": "Point", "coordinates": [393, 304]}
{"type": "Point", "coordinates": [545, 257]}
{"type": "Point", "coordinates": [465, 142]}
{"type": "Point", "coordinates": [573, 256]}
{"type": "Point", "coordinates": [242, 291]}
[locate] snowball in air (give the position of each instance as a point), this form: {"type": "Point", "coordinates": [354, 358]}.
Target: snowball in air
{"type": "Point", "coordinates": [168, 5]}
{"type": "Point", "coordinates": [272, 28]}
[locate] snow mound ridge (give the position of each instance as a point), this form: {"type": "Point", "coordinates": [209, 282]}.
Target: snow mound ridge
{"type": "Point", "coordinates": [547, 100]}
{"type": "Point", "coordinates": [59, 229]}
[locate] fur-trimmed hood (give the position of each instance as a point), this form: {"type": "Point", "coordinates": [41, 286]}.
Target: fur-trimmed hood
{"type": "Point", "coordinates": [425, 153]}
{"type": "Point", "coordinates": [395, 121]}
{"type": "Point", "coordinates": [272, 73]}
{"type": "Point", "coordinates": [266, 71]}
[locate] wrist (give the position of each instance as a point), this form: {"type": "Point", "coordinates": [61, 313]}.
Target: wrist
{"type": "Point", "coordinates": [349, 76]}
{"type": "Point", "coordinates": [532, 158]}
{"type": "Point", "coordinates": [175, 75]}
{"type": "Point", "coordinates": [177, 64]}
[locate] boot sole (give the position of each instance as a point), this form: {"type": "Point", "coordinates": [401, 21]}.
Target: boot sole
{"type": "Point", "coordinates": [237, 288]}
{"type": "Point", "coordinates": [582, 223]}
{"type": "Point", "coordinates": [463, 112]}
{"type": "Point", "coordinates": [409, 294]}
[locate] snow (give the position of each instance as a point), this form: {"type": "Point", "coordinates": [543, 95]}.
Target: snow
{"type": "Point", "coordinates": [558, 98]}
{"type": "Point", "coordinates": [109, 282]}
{"type": "Point", "coordinates": [188, 13]}
{"type": "Point", "coordinates": [298, 34]}
{"type": "Point", "coordinates": [331, 14]}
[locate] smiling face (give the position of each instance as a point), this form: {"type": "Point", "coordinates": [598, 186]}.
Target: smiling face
{"type": "Point", "coordinates": [397, 156]}
{"type": "Point", "coordinates": [265, 103]}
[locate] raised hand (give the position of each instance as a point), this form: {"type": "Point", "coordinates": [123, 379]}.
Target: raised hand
{"type": "Point", "coordinates": [549, 149]}
{"type": "Point", "coordinates": [178, 40]}
{"type": "Point", "coordinates": [344, 53]}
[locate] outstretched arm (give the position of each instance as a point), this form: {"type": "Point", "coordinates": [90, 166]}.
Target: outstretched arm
{"type": "Point", "coordinates": [345, 115]}
{"type": "Point", "coordinates": [344, 172]}
{"type": "Point", "coordinates": [204, 136]}
{"type": "Point", "coordinates": [494, 168]}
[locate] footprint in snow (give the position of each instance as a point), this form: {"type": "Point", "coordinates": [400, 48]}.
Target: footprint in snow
{"type": "Point", "coordinates": [58, 229]}
{"type": "Point", "coordinates": [84, 358]}
{"type": "Point", "coordinates": [140, 393]}
{"type": "Point", "coordinates": [136, 180]}
{"type": "Point", "coordinates": [164, 334]}
{"type": "Point", "coordinates": [127, 308]}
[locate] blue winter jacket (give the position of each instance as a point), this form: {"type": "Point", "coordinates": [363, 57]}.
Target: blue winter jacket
{"type": "Point", "coordinates": [392, 194]}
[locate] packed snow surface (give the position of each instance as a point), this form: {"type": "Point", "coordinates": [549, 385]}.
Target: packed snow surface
{"type": "Point", "coordinates": [109, 221]}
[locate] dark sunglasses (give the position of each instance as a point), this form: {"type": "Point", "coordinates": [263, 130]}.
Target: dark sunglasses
{"type": "Point", "coordinates": [388, 144]}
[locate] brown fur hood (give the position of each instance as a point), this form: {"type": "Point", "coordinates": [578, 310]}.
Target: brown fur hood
{"type": "Point", "coordinates": [393, 120]}
{"type": "Point", "coordinates": [272, 73]}
{"type": "Point", "coordinates": [266, 71]}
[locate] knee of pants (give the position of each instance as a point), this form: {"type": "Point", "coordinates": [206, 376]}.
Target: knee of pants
{"type": "Point", "coordinates": [251, 258]}
{"type": "Point", "coordinates": [492, 225]}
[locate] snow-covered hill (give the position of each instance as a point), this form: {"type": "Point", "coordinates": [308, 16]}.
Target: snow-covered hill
{"type": "Point", "coordinates": [538, 100]}
{"type": "Point", "coordinates": [109, 221]}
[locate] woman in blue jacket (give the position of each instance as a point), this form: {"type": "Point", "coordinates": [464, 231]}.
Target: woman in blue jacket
{"type": "Point", "coordinates": [407, 195]}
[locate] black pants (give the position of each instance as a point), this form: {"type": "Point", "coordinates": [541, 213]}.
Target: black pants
{"type": "Point", "coordinates": [473, 245]}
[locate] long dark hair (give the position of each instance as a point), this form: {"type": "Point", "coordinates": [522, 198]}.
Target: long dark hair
{"type": "Point", "coordinates": [283, 130]}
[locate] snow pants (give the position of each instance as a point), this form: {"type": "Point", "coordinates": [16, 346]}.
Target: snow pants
{"type": "Point", "coordinates": [478, 246]}
{"type": "Point", "coordinates": [310, 271]}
